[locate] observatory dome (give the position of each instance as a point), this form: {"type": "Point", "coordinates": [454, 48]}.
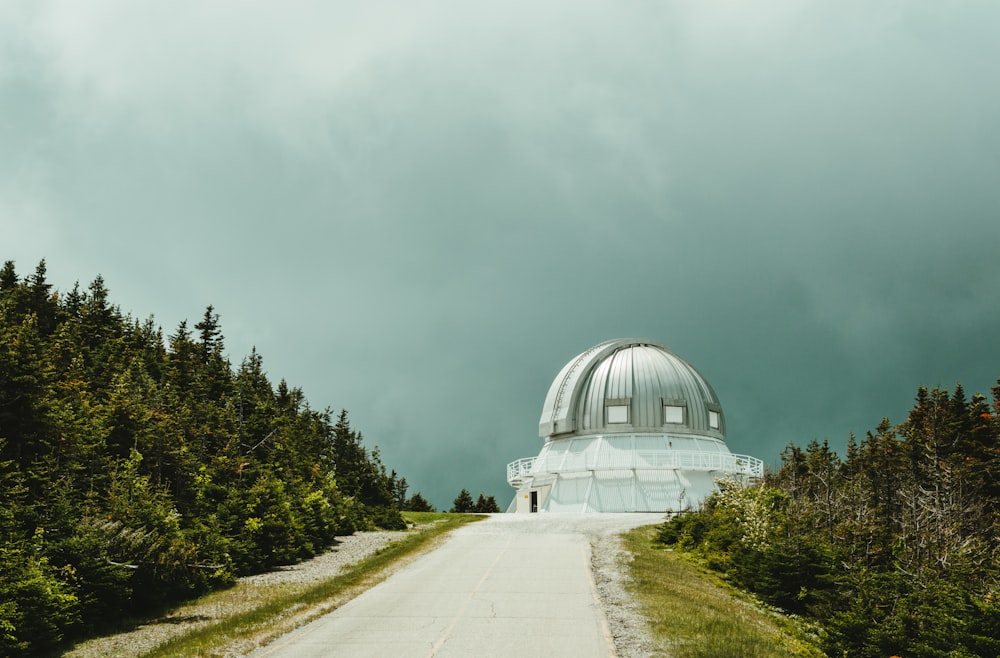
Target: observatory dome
{"type": "Point", "coordinates": [629, 385]}
{"type": "Point", "coordinates": [627, 426]}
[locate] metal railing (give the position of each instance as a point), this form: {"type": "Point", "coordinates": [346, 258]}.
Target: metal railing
{"type": "Point", "coordinates": [688, 460]}
{"type": "Point", "coordinates": [518, 470]}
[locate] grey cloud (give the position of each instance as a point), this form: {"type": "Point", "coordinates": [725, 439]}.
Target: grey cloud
{"type": "Point", "coordinates": [420, 213]}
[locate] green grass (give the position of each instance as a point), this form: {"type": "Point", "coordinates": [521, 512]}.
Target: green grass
{"type": "Point", "coordinates": [296, 606]}
{"type": "Point", "coordinates": [693, 614]}
{"type": "Point", "coordinates": [421, 518]}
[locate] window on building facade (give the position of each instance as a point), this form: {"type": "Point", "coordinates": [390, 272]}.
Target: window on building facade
{"type": "Point", "coordinates": [617, 414]}
{"type": "Point", "coordinates": [673, 414]}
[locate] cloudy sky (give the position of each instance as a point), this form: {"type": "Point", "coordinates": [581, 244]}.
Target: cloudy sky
{"type": "Point", "coordinates": [419, 211]}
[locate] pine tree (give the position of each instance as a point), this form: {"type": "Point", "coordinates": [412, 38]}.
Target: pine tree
{"type": "Point", "coordinates": [8, 279]}
{"type": "Point", "coordinates": [463, 503]}
{"type": "Point", "coordinates": [398, 487]}
{"type": "Point", "coordinates": [486, 505]}
{"type": "Point", "coordinates": [41, 300]}
{"type": "Point", "coordinates": [214, 373]}
{"type": "Point", "coordinates": [349, 456]}
{"type": "Point", "coordinates": [417, 503]}
{"type": "Point", "coordinates": [23, 389]}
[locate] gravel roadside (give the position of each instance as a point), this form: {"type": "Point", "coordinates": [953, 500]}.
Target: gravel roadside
{"type": "Point", "coordinates": [609, 562]}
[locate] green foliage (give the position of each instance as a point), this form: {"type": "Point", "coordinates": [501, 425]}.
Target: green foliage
{"type": "Point", "coordinates": [693, 615]}
{"type": "Point", "coordinates": [422, 518]}
{"type": "Point", "coordinates": [486, 505]}
{"type": "Point", "coordinates": [893, 549]}
{"type": "Point", "coordinates": [417, 503]}
{"type": "Point", "coordinates": [37, 606]}
{"type": "Point", "coordinates": [463, 503]}
{"type": "Point", "coordinates": [156, 469]}
{"type": "Point", "coordinates": [744, 532]}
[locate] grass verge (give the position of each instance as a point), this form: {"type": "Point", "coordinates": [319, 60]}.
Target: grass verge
{"type": "Point", "coordinates": [281, 610]}
{"type": "Point", "coordinates": [694, 614]}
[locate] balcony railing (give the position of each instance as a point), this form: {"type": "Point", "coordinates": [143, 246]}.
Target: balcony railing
{"type": "Point", "coordinates": [688, 460]}
{"type": "Point", "coordinates": [518, 470]}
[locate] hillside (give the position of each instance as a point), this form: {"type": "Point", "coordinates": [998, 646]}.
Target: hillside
{"type": "Point", "coordinates": [138, 469]}
{"type": "Point", "coordinates": [891, 551]}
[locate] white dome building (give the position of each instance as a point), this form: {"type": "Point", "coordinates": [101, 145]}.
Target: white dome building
{"type": "Point", "coordinates": [628, 426]}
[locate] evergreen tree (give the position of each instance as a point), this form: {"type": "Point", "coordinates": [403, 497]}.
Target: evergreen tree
{"type": "Point", "coordinates": [23, 389]}
{"type": "Point", "coordinates": [398, 487]}
{"type": "Point", "coordinates": [215, 369]}
{"type": "Point", "coordinates": [893, 550]}
{"type": "Point", "coordinates": [134, 473]}
{"type": "Point", "coordinates": [8, 279]}
{"type": "Point", "coordinates": [486, 505]}
{"type": "Point", "coordinates": [463, 502]}
{"type": "Point", "coordinates": [42, 301]}
{"type": "Point", "coordinates": [417, 503]}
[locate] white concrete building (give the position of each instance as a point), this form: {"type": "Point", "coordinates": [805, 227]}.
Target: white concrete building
{"type": "Point", "coordinates": [627, 426]}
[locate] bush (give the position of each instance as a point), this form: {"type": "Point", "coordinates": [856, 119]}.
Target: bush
{"type": "Point", "coordinates": [741, 532]}
{"type": "Point", "coordinates": [38, 609]}
{"type": "Point", "coordinates": [684, 531]}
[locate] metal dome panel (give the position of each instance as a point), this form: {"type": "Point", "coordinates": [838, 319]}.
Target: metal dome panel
{"type": "Point", "coordinates": [638, 375]}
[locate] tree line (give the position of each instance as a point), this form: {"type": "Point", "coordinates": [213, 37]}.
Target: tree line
{"type": "Point", "coordinates": [463, 504]}
{"type": "Point", "coordinates": [138, 469]}
{"type": "Point", "coordinates": [890, 551]}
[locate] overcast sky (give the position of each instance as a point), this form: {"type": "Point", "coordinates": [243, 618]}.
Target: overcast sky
{"type": "Point", "coordinates": [420, 211]}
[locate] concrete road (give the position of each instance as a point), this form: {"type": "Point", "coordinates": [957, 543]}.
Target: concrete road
{"type": "Point", "coordinates": [512, 585]}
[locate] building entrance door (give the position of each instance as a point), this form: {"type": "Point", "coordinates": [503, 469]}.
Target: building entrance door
{"type": "Point", "coordinates": [534, 501]}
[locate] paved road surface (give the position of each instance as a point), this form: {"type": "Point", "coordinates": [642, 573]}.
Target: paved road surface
{"type": "Point", "coordinates": [512, 585]}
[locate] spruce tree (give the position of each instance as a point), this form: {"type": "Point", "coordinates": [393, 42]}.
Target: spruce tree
{"type": "Point", "coordinates": [463, 503]}
{"type": "Point", "coordinates": [417, 503]}
{"type": "Point", "coordinates": [486, 505]}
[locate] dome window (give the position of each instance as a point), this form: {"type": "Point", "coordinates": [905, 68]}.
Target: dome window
{"type": "Point", "coordinates": [674, 412]}
{"type": "Point", "coordinates": [714, 419]}
{"type": "Point", "coordinates": [618, 412]}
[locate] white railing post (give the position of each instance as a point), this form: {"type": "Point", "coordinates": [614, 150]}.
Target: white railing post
{"type": "Point", "coordinates": [520, 469]}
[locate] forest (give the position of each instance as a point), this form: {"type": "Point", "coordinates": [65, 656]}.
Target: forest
{"type": "Point", "coordinates": [891, 550]}
{"type": "Point", "coordinates": [138, 470]}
